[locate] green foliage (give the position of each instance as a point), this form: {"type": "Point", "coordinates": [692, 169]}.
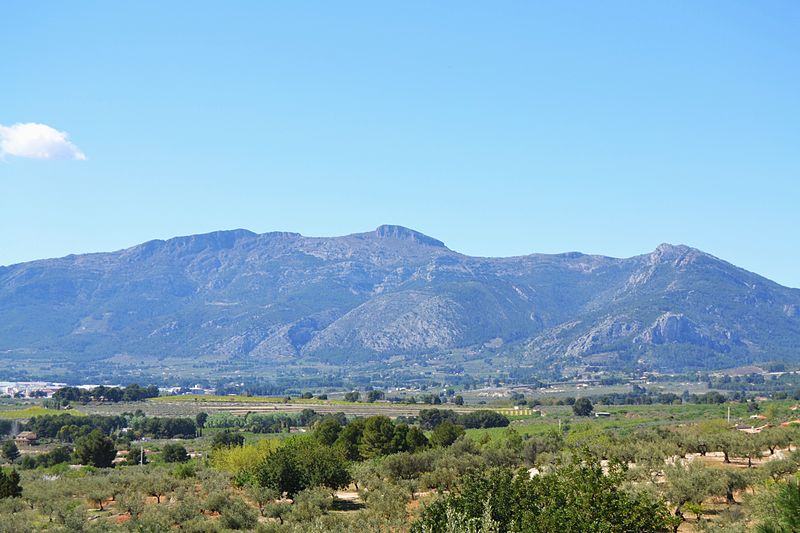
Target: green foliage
{"type": "Point", "coordinates": [237, 515]}
{"type": "Point", "coordinates": [131, 393]}
{"type": "Point", "coordinates": [95, 449]}
{"type": "Point", "coordinates": [136, 456]}
{"type": "Point", "coordinates": [582, 407]}
{"type": "Point", "coordinates": [10, 484]}
{"type": "Point", "coordinates": [68, 427]}
{"type": "Point", "coordinates": [576, 497]}
{"type": "Point", "coordinates": [430, 418]}
{"type": "Point", "coordinates": [327, 430]}
{"type": "Point", "coordinates": [226, 439]}
{"type": "Point", "coordinates": [174, 453]}
{"type": "Point", "coordinates": [779, 468]}
{"type": "Point", "coordinates": [98, 490]}
{"type": "Point", "coordinates": [349, 439]}
{"type": "Point", "coordinates": [691, 484]}
{"type": "Point", "coordinates": [310, 504]}
{"type": "Point", "coordinates": [548, 443]}
{"type": "Point", "coordinates": [375, 395]}
{"type": "Point", "coordinates": [192, 493]}
{"type": "Point", "coordinates": [388, 502]}
{"type": "Point", "coordinates": [241, 461]}
{"type": "Point", "coordinates": [352, 396]}
{"type": "Point", "coordinates": [165, 427]}
{"type": "Point", "coordinates": [57, 456]}
{"type": "Point", "coordinates": [415, 440]}
{"type": "Point", "coordinates": [262, 496]}
{"type": "Point", "coordinates": [786, 518]}
{"type": "Point", "coordinates": [256, 422]}
{"type": "Point", "coordinates": [302, 462]}
{"type": "Point", "coordinates": [277, 510]}
{"type": "Point", "coordinates": [377, 438]}
{"type": "Point", "coordinates": [184, 470]}
{"type": "Point", "coordinates": [482, 419]}
{"type": "Point", "coordinates": [281, 472]}
{"type": "Point", "coordinates": [366, 438]}
{"type": "Point", "coordinates": [9, 451]}
{"type": "Point", "coordinates": [446, 434]}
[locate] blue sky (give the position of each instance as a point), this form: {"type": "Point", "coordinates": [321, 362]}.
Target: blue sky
{"type": "Point", "coordinates": [501, 128]}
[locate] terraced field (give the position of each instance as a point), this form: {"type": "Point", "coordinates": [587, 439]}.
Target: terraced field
{"type": "Point", "coordinates": [191, 405]}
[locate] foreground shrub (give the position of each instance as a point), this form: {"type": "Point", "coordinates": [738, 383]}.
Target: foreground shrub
{"type": "Point", "coordinates": [577, 497]}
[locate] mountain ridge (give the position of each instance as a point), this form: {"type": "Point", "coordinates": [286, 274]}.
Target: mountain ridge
{"type": "Point", "coordinates": [382, 231]}
{"type": "Point", "coordinates": [390, 292]}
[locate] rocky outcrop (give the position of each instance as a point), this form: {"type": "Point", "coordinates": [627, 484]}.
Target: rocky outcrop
{"type": "Point", "coordinates": [676, 328]}
{"type": "Point", "coordinates": [671, 327]}
{"type": "Point", "coordinates": [603, 336]}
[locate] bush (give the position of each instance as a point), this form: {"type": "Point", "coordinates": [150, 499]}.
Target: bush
{"type": "Point", "coordinates": [184, 470]}
{"type": "Point", "coordinates": [58, 455]}
{"type": "Point", "coordinates": [10, 451]}
{"type": "Point", "coordinates": [787, 510]}
{"type": "Point", "coordinates": [238, 515]}
{"type": "Point", "coordinates": [226, 439]}
{"type": "Point", "coordinates": [311, 503]}
{"type": "Point", "coordinates": [577, 497]}
{"type": "Point", "coordinates": [446, 434]}
{"type": "Point", "coordinates": [301, 463]}
{"type": "Point", "coordinates": [582, 407]}
{"type": "Point", "coordinates": [352, 396]}
{"type": "Point", "coordinates": [243, 459]}
{"type": "Point", "coordinates": [9, 484]}
{"type": "Point", "coordinates": [174, 453]}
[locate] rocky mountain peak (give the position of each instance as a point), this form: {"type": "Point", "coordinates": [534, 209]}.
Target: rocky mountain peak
{"type": "Point", "coordinates": [388, 231]}
{"type": "Point", "coordinates": [677, 254]}
{"type": "Point", "coordinates": [666, 249]}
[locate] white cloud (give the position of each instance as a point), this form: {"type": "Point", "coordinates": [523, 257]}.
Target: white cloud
{"type": "Point", "coordinates": [37, 141]}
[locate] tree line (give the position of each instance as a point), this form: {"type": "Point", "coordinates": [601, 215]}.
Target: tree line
{"type": "Point", "coordinates": [130, 393]}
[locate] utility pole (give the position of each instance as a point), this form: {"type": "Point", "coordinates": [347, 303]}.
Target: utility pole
{"type": "Point", "coordinates": [729, 414]}
{"type": "Point", "coordinates": [141, 455]}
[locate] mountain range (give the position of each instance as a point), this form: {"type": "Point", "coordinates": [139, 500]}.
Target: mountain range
{"type": "Point", "coordinates": [394, 292]}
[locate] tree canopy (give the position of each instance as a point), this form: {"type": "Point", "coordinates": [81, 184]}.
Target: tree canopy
{"type": "Point", "coordinates": [95, 449]}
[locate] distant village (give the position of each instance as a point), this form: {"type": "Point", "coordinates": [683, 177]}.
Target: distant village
{"type": "Point", "coordinates": [29, 389]}
{"type": "Point", "coordinates": [46, 389]}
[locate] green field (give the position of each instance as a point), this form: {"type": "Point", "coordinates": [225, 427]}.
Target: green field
{"type": "Point", "coordinates": [629, 417]}
{"type": "Point", "coordinates": [31, 411]}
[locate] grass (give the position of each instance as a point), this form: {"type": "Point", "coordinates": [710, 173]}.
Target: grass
{"type": "Point", "coordinates": [30, 412]}
{"type": "Point", "coordinates": [628, 417]}
{"type": "Point", "coordinates": [249, 436]}
{"type": "Point", "coordinates": [496, 434]}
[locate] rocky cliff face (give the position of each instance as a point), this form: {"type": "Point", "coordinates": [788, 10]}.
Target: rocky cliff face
{"type": "Point", "coordinates": [393, 291]}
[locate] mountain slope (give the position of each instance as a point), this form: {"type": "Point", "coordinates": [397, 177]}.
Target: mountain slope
{"type": "Point", "coordinates": [393, 291]}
